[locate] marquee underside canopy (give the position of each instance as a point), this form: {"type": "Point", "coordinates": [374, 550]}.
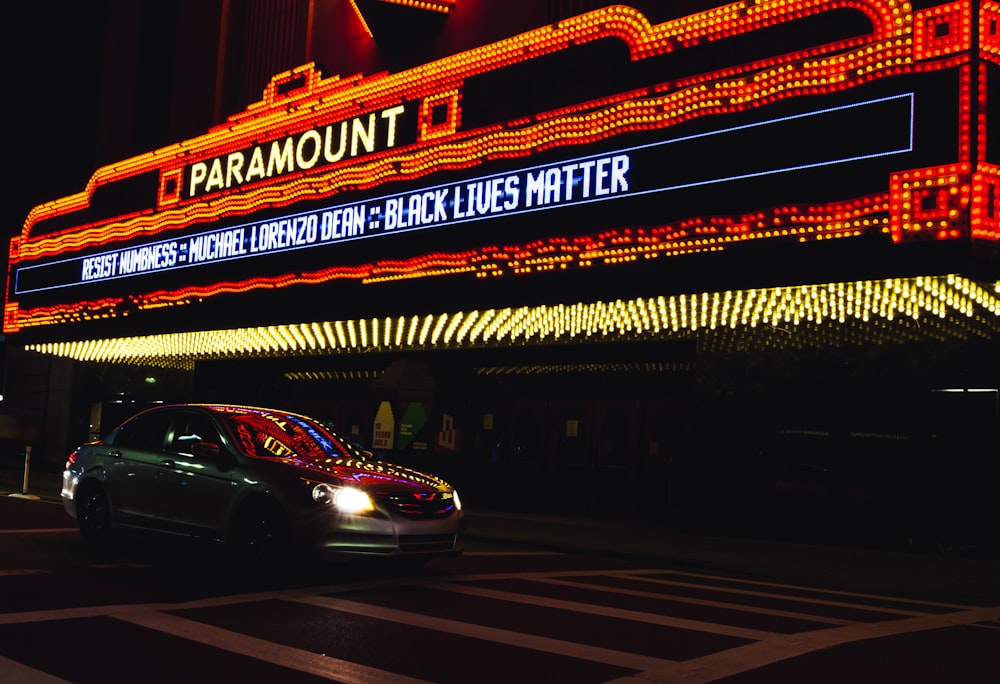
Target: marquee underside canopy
{"type": "Point", "coordinates": [945, 308]}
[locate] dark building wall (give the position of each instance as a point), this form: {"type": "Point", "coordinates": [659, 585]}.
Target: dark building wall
{"type": "Point", "coordinates": [263, 37]}
{"type": "Point", "coordinates": [173, 69]}
{"type": "Point", "coordinates": [37, 409]}
{"type": "Point", "coordinates": [198, 68]}
{"type": "Point", "coordinates": [137, 82]}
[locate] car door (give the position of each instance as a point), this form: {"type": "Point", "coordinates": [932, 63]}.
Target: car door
{"type": "Point", "coordinates": [133, 462]}
{"type": "Point", "coordinates": [193, 489]}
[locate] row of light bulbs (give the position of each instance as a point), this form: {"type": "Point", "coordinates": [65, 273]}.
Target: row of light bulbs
{"type": "Point", "coordinates": [872, 303]}
{"type": "Point", "coordinates": [645, 367]}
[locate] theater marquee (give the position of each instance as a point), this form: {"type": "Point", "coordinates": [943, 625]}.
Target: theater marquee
{"type": "Point", "coordinates": [878, 129]}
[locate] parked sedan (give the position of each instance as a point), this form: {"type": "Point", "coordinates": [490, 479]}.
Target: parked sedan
{"type": "Point", "coordinates": [260, 480]}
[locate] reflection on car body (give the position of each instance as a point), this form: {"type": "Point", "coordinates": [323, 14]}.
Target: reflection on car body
{"type": "Point", "coordinates": [261, 480]}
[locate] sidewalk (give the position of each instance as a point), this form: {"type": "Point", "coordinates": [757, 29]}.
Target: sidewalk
{"type": "Point", "coordinates": [42, 485]}
{"type": "Point", "coordinates": [914, 575]}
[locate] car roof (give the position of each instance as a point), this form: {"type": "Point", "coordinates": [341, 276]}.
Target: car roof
{"type": "Point", "coordinates": [228, 408]}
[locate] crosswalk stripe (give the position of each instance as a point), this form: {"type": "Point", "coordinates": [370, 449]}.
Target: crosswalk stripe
{"type": "Point", "coordinates": [766, 647]}
{"type": "Point", "coordinates": [796, 587]}
{"type": "Point", "coordinates": [13, 671]}
{"type": "Point", "coordinates": [751, 656]}
{"type": "Point", "coordinates": [23, 571]}
{"type": "Point", "coordinates": [634, 616]}
{"type": "Point", "coordinates": [501, 636]}
{"type": "Point", "coordinates": [705, 602]}
{"type": "Point", "coordinates": [40, 530]}
{"type": "Point", "coordinates": [286, 656]}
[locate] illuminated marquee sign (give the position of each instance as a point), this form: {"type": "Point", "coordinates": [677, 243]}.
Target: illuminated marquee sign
{"type": "Point", "coordinates": [313, 148]}
{"type": "Point", "coordinates": [879, 130]}
{"type": "Point", "coordinates": [641, 170]}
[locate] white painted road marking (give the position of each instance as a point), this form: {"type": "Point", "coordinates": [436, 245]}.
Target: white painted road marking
{"type": "Point", "coordinates": [631, 615]}
{"type": "Point", "coordinates": [286, 656]}
{"type": "Point", "coordinates": [734, 661]}
{"type": "Point", "coordinates": [493, 634]}
{"type": "Point", "coordinates": [767, 648]}
{"type": "Point", "coordinates": [13, 671]}
{"type": "Point", "coordinates": [22, 571]}
{"type": "Point", "coordinates": [41, 530]}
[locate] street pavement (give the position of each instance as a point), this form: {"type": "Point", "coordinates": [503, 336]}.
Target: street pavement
{"type": "Point", "coordinates": [916, 575]}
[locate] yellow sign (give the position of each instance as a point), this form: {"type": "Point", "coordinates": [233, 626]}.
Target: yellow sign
{"type": "Point", "coordinates": [385, 427]}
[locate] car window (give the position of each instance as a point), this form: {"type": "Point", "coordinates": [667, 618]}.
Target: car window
{"type": "Point", "coordinates": [284, 436]}
{"type": "Point", "coordinates": [146, 431]}
{"type": "Point", "coordinates": [190, 429]}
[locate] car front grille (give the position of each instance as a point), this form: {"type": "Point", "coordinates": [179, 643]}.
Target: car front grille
{"type": "Point", "coordinates": [417, 543]}
{"type": "Point", "coordinates": [419, 504]}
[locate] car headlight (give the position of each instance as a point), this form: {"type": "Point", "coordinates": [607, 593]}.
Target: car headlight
{"type": "Point", "coordinates": [345, 499]}
{"type": "Point", "coordinates": [458, 501]}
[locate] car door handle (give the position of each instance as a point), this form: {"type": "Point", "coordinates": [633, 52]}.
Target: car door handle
{"type": "Point", "coordinates": [168, 463]}
{"type": "Point", "coordinates": [115, 454]}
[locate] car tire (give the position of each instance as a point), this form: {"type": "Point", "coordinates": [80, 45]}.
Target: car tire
{"type": "Point", "coordinates": [260, 534]}
{"type": "Point", "coordinates": [93, 515]}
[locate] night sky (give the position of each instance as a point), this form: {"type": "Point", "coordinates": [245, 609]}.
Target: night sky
{"type": "Point", "coordinates": [53, 52]}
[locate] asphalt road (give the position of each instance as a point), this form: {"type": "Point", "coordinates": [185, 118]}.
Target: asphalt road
{"type": "Point", "coordinates": [508, 610]}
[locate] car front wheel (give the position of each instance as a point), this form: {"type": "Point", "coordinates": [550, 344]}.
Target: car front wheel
{"type": "Point", "coordinates": [260, 534]}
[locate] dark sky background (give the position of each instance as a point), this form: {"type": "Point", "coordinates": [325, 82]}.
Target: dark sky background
{"type": "Point", "coordinates": [53, 52]}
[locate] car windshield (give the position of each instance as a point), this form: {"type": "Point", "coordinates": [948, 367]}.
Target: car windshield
{"type": "Point", "coordinates": [284, 436]}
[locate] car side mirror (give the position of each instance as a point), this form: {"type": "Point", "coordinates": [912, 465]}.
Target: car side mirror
{"type": "Point", "coordinates": [207, 450]}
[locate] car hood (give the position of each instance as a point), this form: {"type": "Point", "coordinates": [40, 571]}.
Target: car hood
{"type": "Point", "coordinates": [374, 476]}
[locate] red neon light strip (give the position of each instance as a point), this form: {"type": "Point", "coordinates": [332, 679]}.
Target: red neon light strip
{"type": "Point", "coordinates": [613, 247]}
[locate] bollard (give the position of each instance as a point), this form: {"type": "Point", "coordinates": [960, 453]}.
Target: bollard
{"type": "Point", "coordinates": [27, 465]}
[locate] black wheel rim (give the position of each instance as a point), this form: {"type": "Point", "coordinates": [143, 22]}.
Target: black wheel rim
{"type": "Point", "coordinates": [94, 515]}
{"type": "Point", "coordinates": [263, 537]}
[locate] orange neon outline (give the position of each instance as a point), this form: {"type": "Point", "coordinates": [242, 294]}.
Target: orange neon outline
{"type": "Point", "coordinates": [901, 42]}
{"type": "Point", "coordinates": [336, 99]}
{"type": "Point", "coordinates": [361, 18]}
{"type": "Point", "coordinates": [442, 6]}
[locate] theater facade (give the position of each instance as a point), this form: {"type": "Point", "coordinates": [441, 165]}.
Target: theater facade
{"type": "Point", "coordinates": [610, 256]}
